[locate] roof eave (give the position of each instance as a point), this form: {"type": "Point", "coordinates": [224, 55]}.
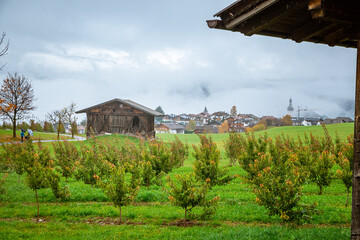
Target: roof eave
{"type": "Point", "coordinates": [157, 114]}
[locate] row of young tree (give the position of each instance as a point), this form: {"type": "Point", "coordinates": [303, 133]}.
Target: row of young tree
{"type": "Point", "coordinates": [278, 169]}
{"type": "Point", "coordinates": [121, 169]}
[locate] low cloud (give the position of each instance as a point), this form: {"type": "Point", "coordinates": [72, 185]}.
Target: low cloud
{"type": "Point", "coordinates": [171, 58]}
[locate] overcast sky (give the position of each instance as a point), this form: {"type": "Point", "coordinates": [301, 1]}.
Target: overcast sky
{"type": "Point", "coordinates": [162, 53]}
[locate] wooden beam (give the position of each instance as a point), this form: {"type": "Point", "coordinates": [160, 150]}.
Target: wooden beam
{"type": "Point", "coordinates": [355, 214]}
{"type": "Point", "coordinates": [310, 30]}
{"type": "Point", "coordinates": [243, 17]}
{"type": "Point", "coordinates": [345, 11]}
{"type": "Point", "coordinates": [267, 18]}
{"type": "Point", "coordinates": [337, 36]}
{"type": "Point", "coordinates": [236, 8]}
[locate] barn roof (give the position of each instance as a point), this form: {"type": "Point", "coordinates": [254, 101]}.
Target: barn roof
{"type": "Point", "coordinates": [127, 102]}
{"type": "Point", "coordinates": [331, 22]}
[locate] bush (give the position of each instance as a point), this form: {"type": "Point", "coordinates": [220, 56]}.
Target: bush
{"type": "Point", "coordinates": [320, 169]}
{"type": "Point", "coordinates": [345, 159]}
{"type": "Point", "coordinates": [278, 187]}
{"type": "Point", "coordinates": [48, 127]}
{"type": "Point", "coordinates": [234, 146]}
{"type": "Point", "coordinates": [247, 150]}
{"type": "Point", "coordinates": [36, 178]}
{"type": "Point", "coordinates": [66, 154]}
{"type": "Point", "coordinates": [117, 189]}
{"type": "Point", "coordinates": [91, 163]}
{"type": "Point", "coordinates": [2, 182]}
{"type": "Point", "coordinates": [188, 193]}
{"type": "Point", "coordinates": [16, 156]}
{"type": "Point", "coordinates": [258, 127]}
{"type": "Point", "coordinates": [206, 165]}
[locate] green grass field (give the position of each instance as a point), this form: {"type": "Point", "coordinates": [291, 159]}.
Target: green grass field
{"type": "Point", "coordinates": [6, 136]}
{"type": "Point", "coordinates": [89, 214]}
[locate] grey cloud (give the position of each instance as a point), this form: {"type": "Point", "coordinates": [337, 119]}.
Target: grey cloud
{"type": "Point", "coordinates": [270, 70]}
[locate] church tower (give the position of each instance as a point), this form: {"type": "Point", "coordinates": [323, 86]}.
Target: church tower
{"type": "Point", "coordinates": [290, 108]}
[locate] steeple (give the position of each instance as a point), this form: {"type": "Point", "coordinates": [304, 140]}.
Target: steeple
{"type": "Point", "coordinates": [205, 110]}
{"type": "Point", "coordinates": [290, 108]}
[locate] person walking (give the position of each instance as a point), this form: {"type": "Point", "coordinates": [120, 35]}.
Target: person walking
{"type": "Point", "coordinates": [22, 134]}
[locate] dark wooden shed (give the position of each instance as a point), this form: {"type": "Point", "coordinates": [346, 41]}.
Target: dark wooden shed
{"type": "Point", "coordinates": [331, 22]}
{"type": "Point", "coordinates": [120, 116]}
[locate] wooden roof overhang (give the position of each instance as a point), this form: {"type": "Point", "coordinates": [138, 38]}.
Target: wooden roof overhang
{"type": "Point", "coordinates": [331, 22]}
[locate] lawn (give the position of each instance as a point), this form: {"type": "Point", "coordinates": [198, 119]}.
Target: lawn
{"type": "Point", "coordinates": [89, 213]}
{"type": "Point", "coordinates": [6, 136]}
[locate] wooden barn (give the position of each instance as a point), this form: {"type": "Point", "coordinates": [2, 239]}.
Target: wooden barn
{"type": "Point", "coordinates": [120, 116]}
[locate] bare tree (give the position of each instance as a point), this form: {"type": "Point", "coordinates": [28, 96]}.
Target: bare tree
{"type": "Point", "coordinates": [5, 49]}
{"type": "Point", "coordinates": [16, 98]}
{"type": "Point", "coordinates": [58, 117]}
{"type": "Point", "coordinates": [71, 118]}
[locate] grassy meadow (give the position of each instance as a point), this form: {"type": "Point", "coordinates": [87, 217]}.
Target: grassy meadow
{"type": "Point", "coordinates": [6, 136]}
{"type": "Point", "coordinates": [89, 214]}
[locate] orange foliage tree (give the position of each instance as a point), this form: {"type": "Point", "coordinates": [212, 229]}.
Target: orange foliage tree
{"type": "Point", "coordinates": [286, 120]}
{"type": "Point", "coordinates": [16, 98]}
{"type": "Point", "coordinates": [224, 128]}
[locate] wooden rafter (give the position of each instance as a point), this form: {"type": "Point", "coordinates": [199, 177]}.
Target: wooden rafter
{"type": "Point", "coordinates": [266, 19]}
{"type": "Point", "coordinates": [310, 30]}
{"type": "Point", "coordinates": [340, 11]}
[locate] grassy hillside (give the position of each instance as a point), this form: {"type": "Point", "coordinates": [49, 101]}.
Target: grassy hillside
{"type": "Point", "coordinates": [342, 129]}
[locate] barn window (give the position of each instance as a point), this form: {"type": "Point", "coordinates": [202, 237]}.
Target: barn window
{"type": "Point", "coordinates": [136, 121]}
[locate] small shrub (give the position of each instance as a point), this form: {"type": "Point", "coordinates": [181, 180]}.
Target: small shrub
{"type": "Point", "coordinates": [251, 149]}
{"type": "Point", "coordinates": [179, 152]}
{"type": "Point", "coordinates": [206, 165]}
{"type": "Point", "coordinates": [2, 182]}
{"type": "Point", "coordinates": [278, 187]}
{"type": "Point", "coordinates": [91, 163]}
{"type": "Point", "coordinates": [53, 180]}
{"type": "Point", "coordinates": [36, 178]}
{"type": "Point", "coordinates": [189, 193]}
{"type": "Point", "coordinates": [117, 189]}
{"type": "Point", "coordinates": [16, 156]}
{"type": "Point", "coordinates": [345, 160]}
{"type": "Point", "coordinates": [320, 169]}
{"type": "Point", "coordinates": [66, 155]}
{"type": "Point", "coordinates": [233, 147]}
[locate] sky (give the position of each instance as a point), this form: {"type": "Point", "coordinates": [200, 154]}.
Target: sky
{"type": "Point", "coordinates": [161, 53]}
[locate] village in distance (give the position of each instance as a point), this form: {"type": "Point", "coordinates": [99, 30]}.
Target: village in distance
{"type": "Point", "coordinates": [223, 122]}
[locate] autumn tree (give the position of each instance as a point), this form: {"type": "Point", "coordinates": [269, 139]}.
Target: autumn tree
{"type": "Point", "coordinates": [191, 125]}
{"type": "Point", "coordinates": [233, 111]}
{"type": "Point", "coordinates": [71, 118]}
{"type": "Point", "coordinates": [224, 128]}
{"type": "Point", "coordinates": [48, 127]}
{"type": "Point", "coordinates": [286, 120]}
{"type": "Point", "coordinates": [58, 117]}
{"type": "Point", "coordinates": [16, 98]}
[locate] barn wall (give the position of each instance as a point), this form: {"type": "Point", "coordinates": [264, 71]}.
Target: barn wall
{"type": "Point", "coordinates": [119, 118]}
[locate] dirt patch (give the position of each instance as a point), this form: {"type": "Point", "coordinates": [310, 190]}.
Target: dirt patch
{"type": "Point", "coordinates": [110, 221]}
{"type": "Point", "coordinates": [183, 223]}
{"type": "Point", "coordinates": [34, 220]}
